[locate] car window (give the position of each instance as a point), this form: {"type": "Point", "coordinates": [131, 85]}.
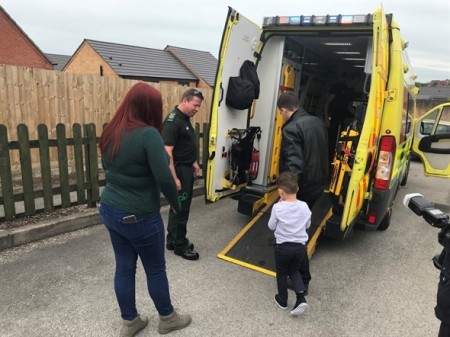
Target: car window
{"type": "Point", "coordinates": [444, 122]}
{"type": "Point", "coordinates": [442, 128]}
{"type": "Point", "coordinates": [426, 126]}
{"type": "Point", "coordinates": [443, 125]}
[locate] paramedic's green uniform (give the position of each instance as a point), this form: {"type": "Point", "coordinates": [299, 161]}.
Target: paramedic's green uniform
{"type": "Point", "coordinates": [179, 133]}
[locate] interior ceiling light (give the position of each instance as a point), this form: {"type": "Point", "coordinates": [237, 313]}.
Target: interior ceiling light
{"type": "Point", "coordinates": [337, 43]}
{"type": "Point", "coordinates": [353, 59]}
{"type": "Point", "coordinates": [347, 52]}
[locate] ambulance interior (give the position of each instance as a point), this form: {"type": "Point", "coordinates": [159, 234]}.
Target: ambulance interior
{"type": "Point", "coordinates": [308, 65]}
{"type": "Point", "coordinates": [322, 61]}
{"type": "Point", "coordinates": [316, 59]}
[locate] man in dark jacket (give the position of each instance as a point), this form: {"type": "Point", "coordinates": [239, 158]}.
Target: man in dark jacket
{"type": "Point", "coordinates": [304, 145]}
{"type": "Point", "coordinates": [442, 309]}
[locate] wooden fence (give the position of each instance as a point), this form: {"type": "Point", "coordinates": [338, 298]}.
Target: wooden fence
{"type": "Point", "coordinates": [37, 96]}
{"type": "Point", "coordinates": [74, 175]}
{"type": "Point", "coordinates": [34, 96]}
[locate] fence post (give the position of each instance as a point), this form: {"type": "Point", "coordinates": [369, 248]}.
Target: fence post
{"type": "Point", "coordinates": [79, 168]}
{"type": "Point", "coordinates": [46, 173]}
{"type": "Point", "coordinates": [93, 193]}
{"type": "Point", "coordinates": [6, 175]}
{"type": "Point", "coordinates": [63, 165]}
{"type": "Point", "coordinates": [27, 172]}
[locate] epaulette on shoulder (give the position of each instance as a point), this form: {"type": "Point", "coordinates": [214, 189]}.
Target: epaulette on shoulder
{"type": "Point", "coordinates": [171, 117]}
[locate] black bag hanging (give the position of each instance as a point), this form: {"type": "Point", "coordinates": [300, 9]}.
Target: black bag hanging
{"type": "Point", "coordinates": [243, 89]}
{"type": "Point", "coordinates": [248, 72]}
{"type": "Point", "coordinates": [240, 93]}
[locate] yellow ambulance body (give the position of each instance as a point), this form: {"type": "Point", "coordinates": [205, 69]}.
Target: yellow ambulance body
{"type": "Point", "coordinates": [307, 54]}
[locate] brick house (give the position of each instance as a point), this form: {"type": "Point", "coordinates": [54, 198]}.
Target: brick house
{"type": "Point", "coordinates": [129, 62]}
{"type": "Point", "coordinates": [16, 48]}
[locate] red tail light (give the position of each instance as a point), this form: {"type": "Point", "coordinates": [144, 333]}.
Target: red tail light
{"type": "Point", "coordinates": [372, 217]}
{"type": "Point", "coordinates": [385, 162]}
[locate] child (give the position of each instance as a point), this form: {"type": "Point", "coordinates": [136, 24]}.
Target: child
{"type": "Point", "coordinates": [289, 219]}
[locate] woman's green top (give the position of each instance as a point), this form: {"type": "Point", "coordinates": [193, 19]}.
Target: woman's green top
{"type": "Point", "coordinates": [137, 174]}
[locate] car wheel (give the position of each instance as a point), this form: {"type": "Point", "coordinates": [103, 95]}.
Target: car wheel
{"type": "Point", "coordinates": [386, 221]}
{"type": "Point", "coordinates": [405, 176]}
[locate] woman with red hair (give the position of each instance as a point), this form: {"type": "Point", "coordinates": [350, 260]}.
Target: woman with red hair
{"type": "Point", "coordinates": [137, 170]}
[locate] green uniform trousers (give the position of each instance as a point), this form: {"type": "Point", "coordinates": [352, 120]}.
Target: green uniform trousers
{"type": "Point", "coordinates": [177, 226]}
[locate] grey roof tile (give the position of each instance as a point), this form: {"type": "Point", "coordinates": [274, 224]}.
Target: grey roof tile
{"type": "Point", "coordinates": [201, 63]}
{"type": "Point", "coordinates": [133, 61]}
{"type": "Point", "coordinates": [59, 61]}
{"type": "Point", "coordinates": [434, 93]}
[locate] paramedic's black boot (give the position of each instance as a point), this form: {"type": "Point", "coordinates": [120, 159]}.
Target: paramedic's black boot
{"type": "Point", "coordinates": [170, 246]}
{"type": "Point", "coordinates": [187, 253]}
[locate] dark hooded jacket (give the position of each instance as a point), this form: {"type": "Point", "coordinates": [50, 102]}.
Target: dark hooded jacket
{"type": "Point", "coordinates": [304, 150]}
{"type": "Point", "coordinates": [442, 308]}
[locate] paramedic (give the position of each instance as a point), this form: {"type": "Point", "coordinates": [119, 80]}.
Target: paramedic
{"type": "Point", "coordinates": [180, 143]}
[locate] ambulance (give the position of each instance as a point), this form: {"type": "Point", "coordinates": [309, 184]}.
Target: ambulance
{"type": "Point", "coordinates": [307, 54]}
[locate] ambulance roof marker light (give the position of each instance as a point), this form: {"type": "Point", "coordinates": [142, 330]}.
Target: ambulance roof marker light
{"type": "Point", "coordinates": [333, 20]}
{"type": "Point", "coordinates": [346, 20]}
{"type": "Point", "coordinates": [307, 20]}
{"type": "Point", "coordinates": [355, 19]}
{"type": "Point", "coordinates": [282, 20]}
{"type": "Point", "coordinates": [269, 21]}
{"type": "Point", "coordinates": [320, 20]}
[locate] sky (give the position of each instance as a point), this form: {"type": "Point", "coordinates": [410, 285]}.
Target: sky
{"type": "Point", "coordinates": [60, 26]}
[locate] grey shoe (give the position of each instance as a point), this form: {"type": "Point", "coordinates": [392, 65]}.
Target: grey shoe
{"type": "Point", "coordinates": [130, 328]}
{"type": "Point", "coordinates": [172, 322]}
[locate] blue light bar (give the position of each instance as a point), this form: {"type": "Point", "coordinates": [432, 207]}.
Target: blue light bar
{"type": "Point", "coordinates": [318, 20]}
{"type": "Point", "coordinates": [295, 20]}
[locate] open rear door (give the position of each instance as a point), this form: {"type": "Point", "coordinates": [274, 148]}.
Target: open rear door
{"type": "Point", "coordinates": [432, 141]}
{"type": "Point", "coordinates": [240, 41]}
{"type": "Point", "coordinates": [368, 142]}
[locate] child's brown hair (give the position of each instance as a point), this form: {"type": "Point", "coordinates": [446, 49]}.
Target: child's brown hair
{"type": "Point", "coordinates": [287, 181]}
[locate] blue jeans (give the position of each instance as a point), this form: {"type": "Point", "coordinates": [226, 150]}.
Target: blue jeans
{"type": "Point", "coordinates": [143, 238]}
